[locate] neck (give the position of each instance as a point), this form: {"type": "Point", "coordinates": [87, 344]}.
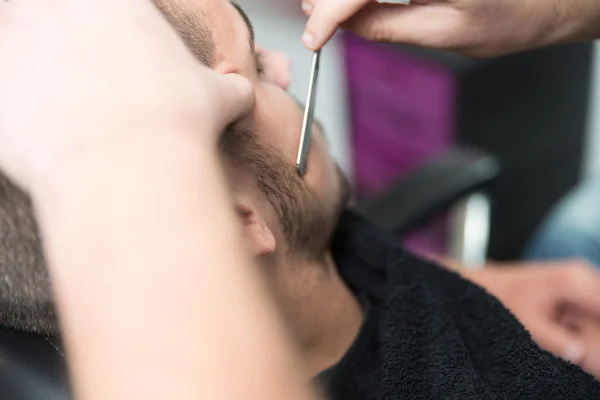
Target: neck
{"type": "Point", "coordinates": [323, 313]}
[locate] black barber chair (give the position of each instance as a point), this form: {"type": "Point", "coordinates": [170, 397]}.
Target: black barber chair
{"type": "Point", "coordinates": [33, 367]}
{"type": "Point", "coordinates": [459, 181]}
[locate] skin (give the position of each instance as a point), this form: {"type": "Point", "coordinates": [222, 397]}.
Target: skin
{"type": "Point", "coordinates": [301, 286]}
{"type": "Point", "coordinates": [472, 27]}
{"type": "Point", "coordinates": [300, 289]}
{"type": "Point", "coordinates": [556, 301]}
{"type": "Point", "coordinates": [146, 128]}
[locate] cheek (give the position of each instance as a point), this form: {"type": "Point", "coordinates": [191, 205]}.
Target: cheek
{"type": "Point", "coordinates": [321, 175]}
{"type": "Point", "coordinates": [277, 122]}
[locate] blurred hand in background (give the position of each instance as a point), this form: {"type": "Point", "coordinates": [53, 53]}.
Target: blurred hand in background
{"type": "Point", "coordinates": [558, 302]}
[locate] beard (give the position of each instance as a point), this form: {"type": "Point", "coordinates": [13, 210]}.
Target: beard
{"type": "Point", "coordinates": [306, 221]}
{"type": "Point", "coordinates": [26, 298]}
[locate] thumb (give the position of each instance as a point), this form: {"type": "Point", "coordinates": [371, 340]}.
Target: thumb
{"type": "Point", "coordinates": [234, 100]}
{"type": "Point", "coordinates": [385, 22]}
{"type": "Point", "coordinates": [580, 289]}
{"type": "Point", "coordinates": [557, 339]}
{"type": "Point", "coordinates": [419, 24]}
{"type": "Point", "coordinates": [325, 17]}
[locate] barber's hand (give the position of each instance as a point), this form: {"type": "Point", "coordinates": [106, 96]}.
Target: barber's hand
{"type": "Point", "coordinates": [79, 73]}
{"type": "Point", "coordinates": [558, 302]}
{"type": "Point", "coordinates": [587, 328]}
{"type": "Point", "coordinates": [474, 27]}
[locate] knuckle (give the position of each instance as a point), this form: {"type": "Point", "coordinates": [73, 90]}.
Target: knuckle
{"type": "Point", "coordinates": [373, 28]}
{"type": "Point", "coordinates": [336, 12]}
{"type": "Point", "coordinates": [582, 264]}
{"type": "Point", "coordinates": [379, 30]}
{"type": "Point", "coordinates": [580, 272]}
{"type": "Point", "coordinates": [580, 268]}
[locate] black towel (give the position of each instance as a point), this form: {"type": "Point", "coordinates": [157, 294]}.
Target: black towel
{"type": "Point", "coordinates": [429, 334]}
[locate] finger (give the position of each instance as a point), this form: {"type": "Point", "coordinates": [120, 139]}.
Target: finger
{"type": "Point", "coordinates": [420, 24]}
{"type": "Point", "coordinates": [591, 363]}
{"type": "Point", "coordinates": [580, 289]}
{"type": "Point", "coordinates": [307, 7]}
{"type": "Point", "coordinates": [556, 338]}
{"type": "Point", "coordinates": [590, 333]}
{"type": "Point", "coordinates": [381, 22]}
{"type": "Point", "coordinates": [277, 67]}
{"type": "Point", "coordinates": [326, 16]}
{"type": "Point", "coordinates": [234, 98]}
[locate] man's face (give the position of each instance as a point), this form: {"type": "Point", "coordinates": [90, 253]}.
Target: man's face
{"type": "Point", "coordinates": [267, 175]}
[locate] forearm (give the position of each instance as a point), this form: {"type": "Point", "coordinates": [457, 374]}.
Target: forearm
{"type": "Point", "coordinates": [156, 295]}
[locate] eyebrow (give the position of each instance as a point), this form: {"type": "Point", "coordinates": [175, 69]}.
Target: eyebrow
{"type": "Point", "coordinates": [247, 21]}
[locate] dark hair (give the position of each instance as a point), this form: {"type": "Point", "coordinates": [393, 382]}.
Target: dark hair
{"type": "Point", "coordinates": [25, 296]}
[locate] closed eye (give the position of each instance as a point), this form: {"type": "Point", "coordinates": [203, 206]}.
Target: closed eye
{"type": "Point", "coordinates": [260, 63]}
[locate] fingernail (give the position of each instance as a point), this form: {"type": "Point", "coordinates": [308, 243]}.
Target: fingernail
{"type": "Point", "coordinates": [573, 353]}
{"type": "Point", "coordinates": [308, 39]}
{"type": "Point", "coordinates": [307, 7]}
